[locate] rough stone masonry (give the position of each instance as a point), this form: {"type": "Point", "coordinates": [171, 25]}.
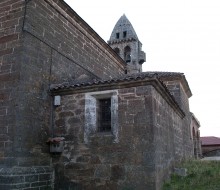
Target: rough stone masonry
{"type": "Point", "coordinates": [48, 50]}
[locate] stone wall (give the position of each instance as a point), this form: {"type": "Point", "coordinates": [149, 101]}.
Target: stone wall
{"type": "Point", "coordinates": [176, 88]}
{"type": "Point", "coordinates": [72, 40]}
{"type": "Point", "coordinates": [11, 19]}
{"type": "Point", "coordinates": [25, 178]}
{"type": "Point", "coordinates": [149, 142]}
{"type": "Point", "coordinates": [195, 137]}
{"type": "Point", "coordinates": [168, 138]}
{"type": "Point", "coordinates": [42, 42]}
{"type": "Point", "coordinates": [56, 49]}
{"type": "Point", "coordinates": [103, 163]}
{"type": "Point", "coordinates": [133, 66]}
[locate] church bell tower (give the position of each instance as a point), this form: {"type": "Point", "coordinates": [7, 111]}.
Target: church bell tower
{"type": "Point", "coordinates": [125, 42]}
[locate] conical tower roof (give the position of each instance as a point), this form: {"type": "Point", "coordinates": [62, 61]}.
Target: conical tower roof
{"type": "Point", "coordinates": [123, 30]}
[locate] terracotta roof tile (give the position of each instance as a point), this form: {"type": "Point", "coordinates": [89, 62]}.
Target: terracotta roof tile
{"type": "Point", "coordinates": [131, 77]}
{"type": "Point", "coordinates": [210, 140]}
{"type": "Point", "coordinates": [125, 78]}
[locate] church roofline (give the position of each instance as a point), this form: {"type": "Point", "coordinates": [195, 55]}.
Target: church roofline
{"type": "Point", "coordinates": [130, 77]}
{"type": "Point", "coordinates": [195, 119]}
{"type": "Point", "coordinates": [87, 29]}
{"type": "Point", "coordinates": [172, 76]}
{"type": "Point", "coordinates": [125, 81]}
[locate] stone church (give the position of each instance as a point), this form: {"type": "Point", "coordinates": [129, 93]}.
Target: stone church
{"type": "Point", "coordinates": [77, 113]}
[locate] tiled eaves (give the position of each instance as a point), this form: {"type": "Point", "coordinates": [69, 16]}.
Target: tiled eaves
{"type": "Point", "coordinates": [125, 81]}
{"type": "Point", "coordinates": [123, 78]}
{"type": "Point", "coordinates": [178, 76]}
{"type": "Point", "coordinates": [210, 141]}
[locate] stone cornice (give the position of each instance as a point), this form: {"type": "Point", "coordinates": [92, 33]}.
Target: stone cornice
{"type": "Point", "coordinates": [121, 41]}
{"type": "Point", "coordinates": [154, 81]}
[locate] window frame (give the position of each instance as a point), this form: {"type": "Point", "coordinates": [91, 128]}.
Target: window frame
{"type": "Point", "coordinates": [91, 114]}
{"type": "Point", "coordinates": [103, 115]}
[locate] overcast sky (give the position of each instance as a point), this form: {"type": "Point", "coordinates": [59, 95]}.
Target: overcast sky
{"type": "Point", "coordinates": [177, 35]}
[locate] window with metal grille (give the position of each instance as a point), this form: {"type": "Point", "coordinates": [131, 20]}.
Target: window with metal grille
{"type": "Point", "coordinates": [104, 115]}
{"type": "Point", "coordinates": [101, 115]}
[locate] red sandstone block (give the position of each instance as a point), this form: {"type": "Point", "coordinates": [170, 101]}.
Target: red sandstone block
{"type": "Point", "coordinates": [6, 52]}
{"type": "Point", "coordinates": [47, 10]}
{"type": "Point", "coordinates": [6, 32]}
{"type": "Point", "coordinates": [8, 38]}
{"type": "Point", "coordinates": [5, 68]}
{"type": "Point", "coordinates": [3, 112]}
{"type": "Point", "coordinates": [10, 23]}
{"type": "Point", "coordinates": [17, 13]}
{"type": "Point", "coordinates": [9, 76]}
{"type": "Point", "coordinates": [17, 10]}
{"type": "Point", "coordinates": [4, 9]}
{"type": "Point", "coordinates": [4, 3]}
{"type": "Point", "coordinates": [17, 4]}
{"type": "Point", "coordinates": [3, 97]}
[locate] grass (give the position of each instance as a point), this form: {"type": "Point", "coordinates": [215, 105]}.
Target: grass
{"type": "Point", "coordinates": [201, 175]}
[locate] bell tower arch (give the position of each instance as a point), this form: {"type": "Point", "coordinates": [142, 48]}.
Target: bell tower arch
{"type": "Point", "coordinates": [126, 44]}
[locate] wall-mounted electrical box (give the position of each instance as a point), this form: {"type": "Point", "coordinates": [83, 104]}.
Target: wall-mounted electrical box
{"type": "Point", "coordinates": [57, 100]}
{"type": "Point", "coordinates": [57, 147]}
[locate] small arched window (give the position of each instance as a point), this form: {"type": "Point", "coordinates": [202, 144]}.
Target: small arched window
{"type": "Point", "coordinates": [127, 54]}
